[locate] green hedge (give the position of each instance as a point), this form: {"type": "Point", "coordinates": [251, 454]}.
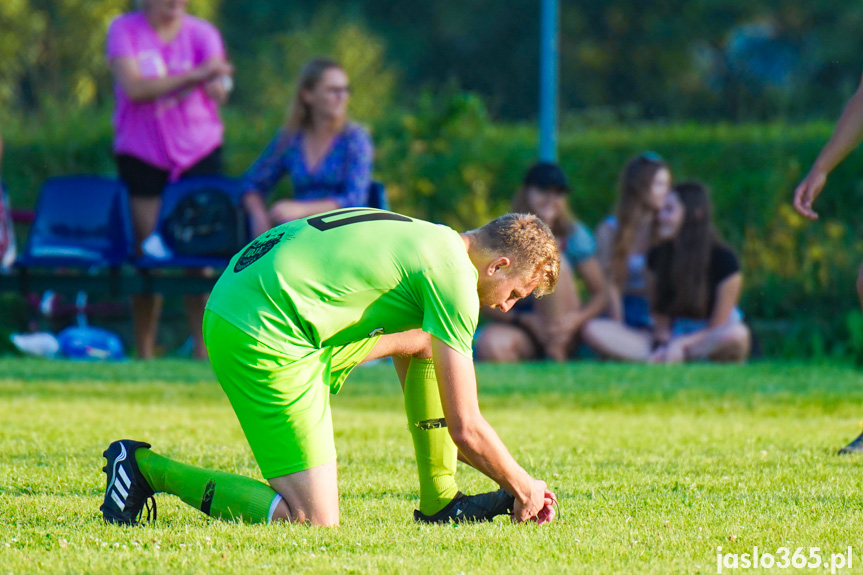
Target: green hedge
{"type": "Point", "coordinates": [446, 161]}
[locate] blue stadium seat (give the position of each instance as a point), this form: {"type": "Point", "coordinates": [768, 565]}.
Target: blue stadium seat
{"type": "Point", "coordinates": [172, 196]}
{"type": "Point", "coordinates": [80, 221]}
{"type": "Point", "coordinates": [378, 196]}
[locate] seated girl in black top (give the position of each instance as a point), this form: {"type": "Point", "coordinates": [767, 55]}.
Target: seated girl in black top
{"type": "Point", "coordinates": [695, 284]}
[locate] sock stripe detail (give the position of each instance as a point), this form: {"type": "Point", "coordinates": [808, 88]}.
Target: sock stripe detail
{"type": "Point", "coordinates": [428, 424]}
{"type": "Point", "coordinates": [124, 477]}
{"type": "Point", "coordinates": [207, 499]}
{"type": "Point", "coordinates": [273, 506]}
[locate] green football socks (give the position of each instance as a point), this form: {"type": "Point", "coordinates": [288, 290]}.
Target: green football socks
{"type": "Point", "coordinates": [436, 454]}
{"type": "Point", "coordinates": [216, 493]}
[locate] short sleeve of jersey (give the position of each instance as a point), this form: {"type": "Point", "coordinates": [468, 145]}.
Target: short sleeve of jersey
{"type": "Point", "coordinates": [208, 41]}
{"type": "Point", "coordinates": [119, 42]}
{"type": "Point", "coordinates": [723, 264]}
{"type": "Point", "coordinates": [450, 306]}
{"type": "Point", "coordinates": [580, 245]}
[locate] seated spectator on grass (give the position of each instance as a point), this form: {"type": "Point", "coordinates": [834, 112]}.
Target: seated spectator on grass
{"type": "Point", "coordinates": [624, 239]}
{"type": "Point", "coordinates": [548, 327]}
{"type": "Point", "coordinates": [327, 157]}
{"type": "Point", "coordinates": [170, 77]}
{"type": "Point", "coordinates": [695, 289]}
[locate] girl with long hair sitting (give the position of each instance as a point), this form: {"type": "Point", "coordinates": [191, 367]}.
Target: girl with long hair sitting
{"type": "Point", "coordinates": [695, 283]}
{"type": "Point", "coordinates": [624, 239]}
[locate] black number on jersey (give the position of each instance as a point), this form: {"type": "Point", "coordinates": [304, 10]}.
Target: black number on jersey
{"type": "Point", "coordinates": [326, 221]}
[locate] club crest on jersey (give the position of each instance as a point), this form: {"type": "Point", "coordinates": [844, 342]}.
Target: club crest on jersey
{"type": "Point", "coordinates": [376, 331]}
{"type": "Point", "coordinates": [257, 249]}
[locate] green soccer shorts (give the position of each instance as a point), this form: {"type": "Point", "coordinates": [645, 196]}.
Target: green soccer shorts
{"type": "Point", "coordinates": [281, 398]}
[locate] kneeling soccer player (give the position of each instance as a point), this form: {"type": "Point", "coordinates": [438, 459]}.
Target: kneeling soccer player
{"type": "Point", "coordinates": [298, 309]}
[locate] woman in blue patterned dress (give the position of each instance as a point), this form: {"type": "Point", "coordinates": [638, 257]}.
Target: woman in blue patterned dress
{"type": "Point", "coordinates": [327, 157]}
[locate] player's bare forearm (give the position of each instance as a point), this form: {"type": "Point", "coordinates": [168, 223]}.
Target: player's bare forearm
{"type": "Point", "coordinates": [476, 440]}
{"type": "Point", "coordinates": [480, 445]}
{"type": "Point", "coordinates": [463, 459]}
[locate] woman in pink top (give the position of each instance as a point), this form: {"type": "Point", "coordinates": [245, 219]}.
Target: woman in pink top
{"type": "Point", "coordinates": [170, 77]}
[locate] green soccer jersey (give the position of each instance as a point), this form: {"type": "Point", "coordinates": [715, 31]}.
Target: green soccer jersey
{"type": "Point", "coordinates": [347, 275]}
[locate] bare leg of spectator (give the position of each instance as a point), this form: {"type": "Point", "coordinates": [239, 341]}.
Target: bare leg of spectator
{"type": "Point", "coordinates": [556, 311]}
{"type": "Point", "coordinates": [505, 343]}
{"type": "Point", "coordinates": [615, 340]}
{"type": "Point", "coordinates": [195, 304]}
{"type": "Point", "coordinates": [146, 308]}
{"type": "Point", "coordinates": [726, 343]}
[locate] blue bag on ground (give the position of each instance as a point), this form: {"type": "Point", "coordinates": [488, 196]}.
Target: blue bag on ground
{"type": "Point", "coordinates": [90, 343]}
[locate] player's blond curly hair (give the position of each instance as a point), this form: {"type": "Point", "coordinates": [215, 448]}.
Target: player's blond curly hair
{"type": "Point", "coordinates": [528, 242]}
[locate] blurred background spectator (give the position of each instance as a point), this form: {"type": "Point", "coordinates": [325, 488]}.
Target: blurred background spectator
{"type": "Point", "coordinates": [170, 77]}
{"type": "Point", "coordinates": [624, 239]}
{"type": "Point", "coordinates": [7, 237]}
{"type": "Point", "coordinates": [327, 157]}
{"type": "Point", "coordinates": [548, 327]}
{"type": "Point", "coordinates": [695, 290]}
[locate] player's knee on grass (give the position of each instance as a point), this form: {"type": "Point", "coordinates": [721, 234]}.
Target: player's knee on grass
{"type": "Point", "coordinates": [310, 496]}
{"type": "Point", "coordinates": [281, 512]}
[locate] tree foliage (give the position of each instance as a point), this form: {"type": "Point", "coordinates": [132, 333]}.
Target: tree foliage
{"type": "Point", "coordinates": [620, 60]}
{"type": "Point", "coordinates": [267, 65]}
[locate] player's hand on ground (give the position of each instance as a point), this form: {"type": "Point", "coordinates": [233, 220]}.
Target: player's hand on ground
{"type": "Point", "coordinates": [807, 191]}
{"type": "Point", "coordinates": [547, 513]}
{"type": "Point", "coordinates": [532, 504]}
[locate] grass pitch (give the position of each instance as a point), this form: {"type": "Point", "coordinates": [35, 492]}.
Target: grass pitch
{"type": "Point", "coordinates": [655, 467]}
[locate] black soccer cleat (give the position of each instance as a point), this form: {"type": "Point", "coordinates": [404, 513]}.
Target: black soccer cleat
{"type": "Point", "coordinates": [479, 507]}
{"type": "Point", "coordinates": [127, 491]}
{"type": "Point", "coordinates": [855, 446]}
